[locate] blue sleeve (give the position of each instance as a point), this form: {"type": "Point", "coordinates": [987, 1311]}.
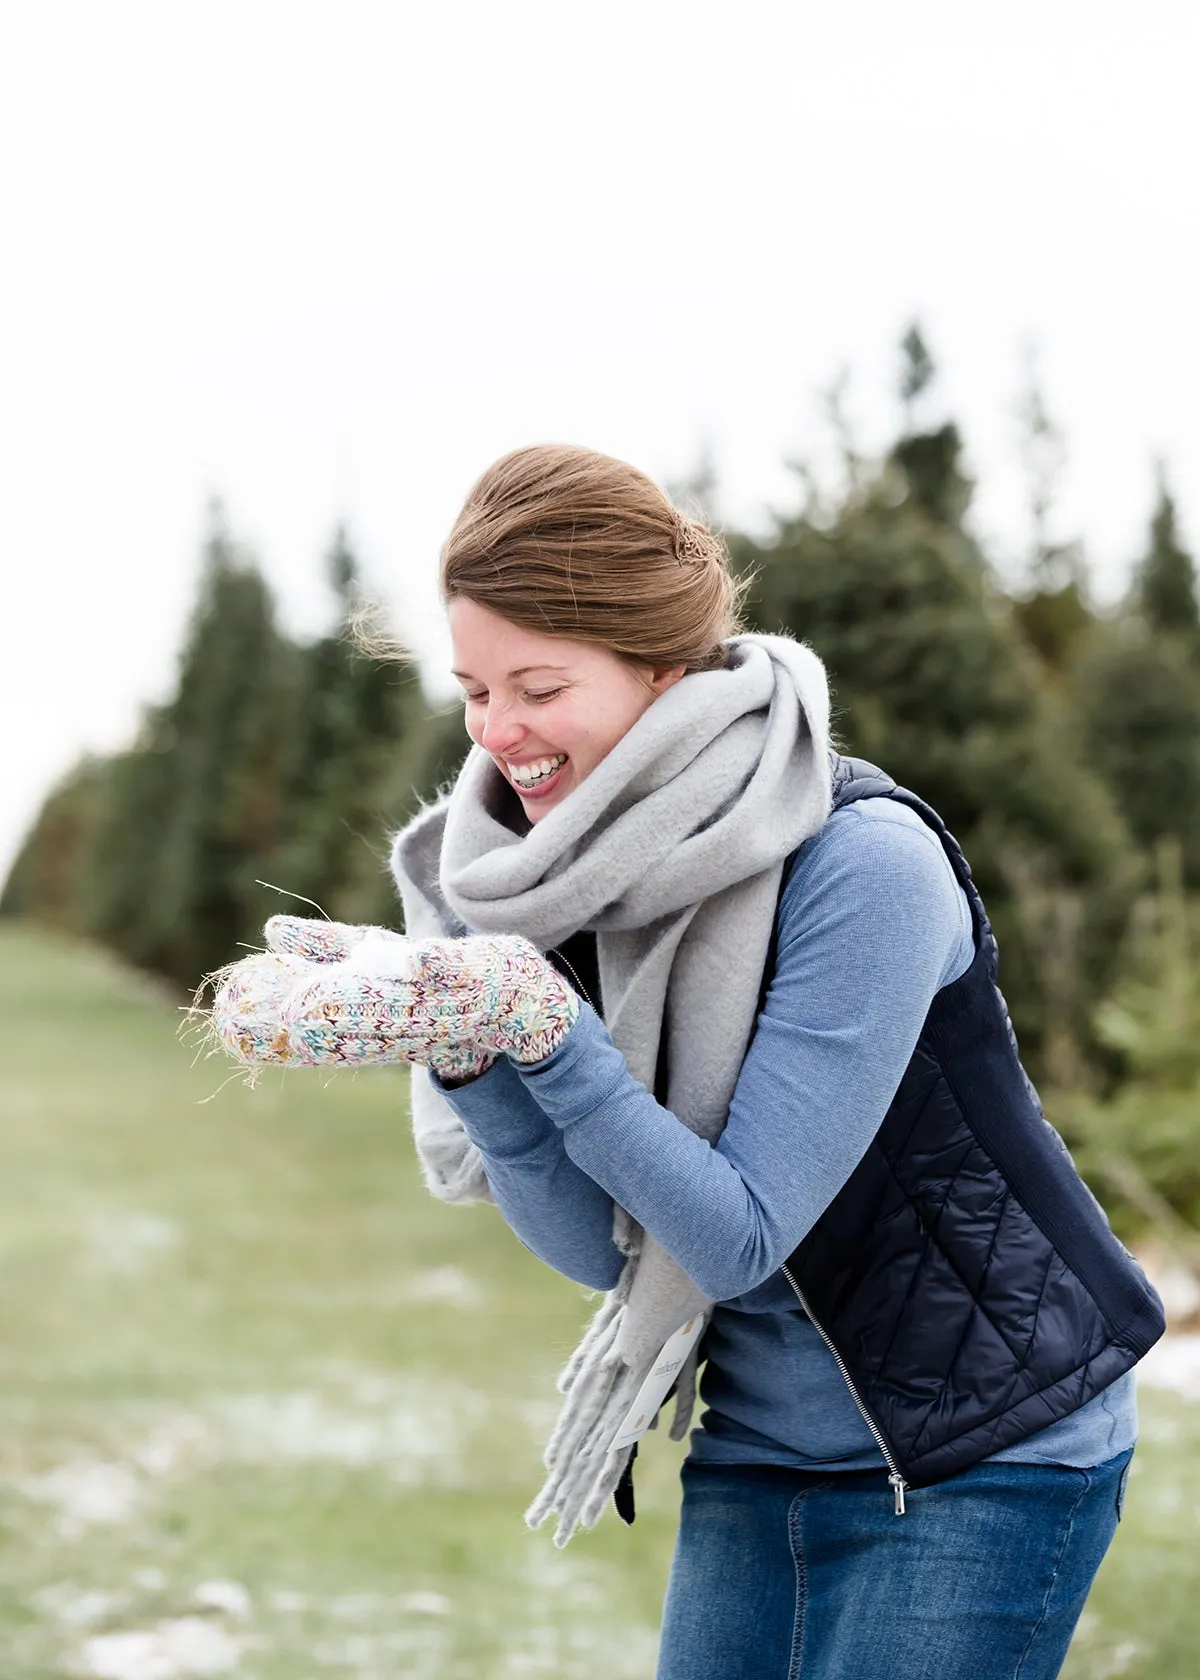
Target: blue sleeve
{"type": "Point", "coordinates": [559, 1213]}
{"type": "Point", "coordinates": [872, 923]}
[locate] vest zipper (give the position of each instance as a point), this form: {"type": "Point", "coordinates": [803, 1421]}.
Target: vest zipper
{"type": "Point", "coordinates": [579, 986]}
{"type": "Point", "coordinates": [896, 1481]}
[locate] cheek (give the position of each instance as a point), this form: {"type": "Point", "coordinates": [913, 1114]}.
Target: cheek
{"type": "Point", "coordinates": [597, 739]}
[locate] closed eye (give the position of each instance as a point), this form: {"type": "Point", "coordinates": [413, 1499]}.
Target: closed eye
{"type": "Point", "coordinates": [539, 699]}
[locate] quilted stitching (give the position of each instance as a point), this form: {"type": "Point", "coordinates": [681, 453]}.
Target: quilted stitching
{"type": "Point", "coordinates": [928, 1228]}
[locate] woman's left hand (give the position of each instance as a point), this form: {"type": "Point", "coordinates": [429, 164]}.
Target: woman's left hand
{"type": "Point", "coordinates": [496, 991]}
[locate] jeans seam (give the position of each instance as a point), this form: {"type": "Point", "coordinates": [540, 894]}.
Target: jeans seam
{"type": "Point", "coordinates": [794, 1536]}
{"type": "Point", "coordinates": [1054, 1573]}
{"type": "Point", "coordinates": [795, 1510]}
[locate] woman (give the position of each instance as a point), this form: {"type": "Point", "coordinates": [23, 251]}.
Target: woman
{"type": "Point", "coordinates": [711, 1014]}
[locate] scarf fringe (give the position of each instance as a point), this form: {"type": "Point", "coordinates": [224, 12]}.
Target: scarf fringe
{"type": "Point", "coordinates": [599, 1388]}
{"type": "Point", "coordinates": [600, 1332]}
{"type": "Point", "coordinates": [685, 1394]}
{"type": "Point", "coordinates": [583, 1473]}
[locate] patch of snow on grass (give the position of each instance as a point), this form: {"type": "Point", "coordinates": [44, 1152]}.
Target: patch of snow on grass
{"type": "Point", "coordinates": [570, 1631]}
{"type": "Point", "coordinates": [287, 1602]}
{"type": "Point", "coordinates": [416, 1431]}
{"type": "Point", "coordinates": [1173, 1363]}
{"type": "Point", "coordinates": [443, 1286]}
{"type": "Point", "coordinates": [86, 1494]}
{"type": "Point", "coordinates": [123, 1244]}
{"type": "Point", "coordinates": [74, 1607]}
{"type": "Point", "coordinates": [177, 1444]}
{"type": "Point", "coordinates": [230, 1597]}
{"type": "Point", "coordinates": [187, 1645]}
{"type": "Point", "coordinates": [426, 1603]}
{"type": "Point", "coordinates": [418, 1654]}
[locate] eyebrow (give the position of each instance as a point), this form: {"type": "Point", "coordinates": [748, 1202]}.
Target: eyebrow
{"type": "Point", "coordinates": [521, 671]}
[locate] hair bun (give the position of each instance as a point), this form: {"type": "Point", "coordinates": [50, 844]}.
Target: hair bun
{"type": "Point", "coordinates": [692, 544]}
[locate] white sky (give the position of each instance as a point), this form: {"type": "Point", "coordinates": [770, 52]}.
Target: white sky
{"type": "Point", "coordinates": [329, 260]}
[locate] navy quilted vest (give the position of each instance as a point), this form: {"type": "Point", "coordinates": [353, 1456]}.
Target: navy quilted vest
{"type": "Point", "coordinates": [965, 1278]}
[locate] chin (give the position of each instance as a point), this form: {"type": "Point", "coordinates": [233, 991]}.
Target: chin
{"type": "Point", "coordinates": [536, 809]}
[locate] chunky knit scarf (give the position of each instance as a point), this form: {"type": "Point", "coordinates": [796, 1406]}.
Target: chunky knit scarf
{"type": "Point", "coordinates": [671, 851]}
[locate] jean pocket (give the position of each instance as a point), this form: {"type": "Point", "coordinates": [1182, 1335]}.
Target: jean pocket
{"type": "Point", "coordinates": [1121, 1486]}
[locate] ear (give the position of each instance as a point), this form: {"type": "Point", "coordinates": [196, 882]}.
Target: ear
{"type": "Point", "coordinates": [666, 677]}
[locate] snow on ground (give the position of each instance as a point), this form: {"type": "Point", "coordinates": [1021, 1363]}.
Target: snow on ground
{"type": "Point", "coordinates": [86, 1494]}
{"type": "Point", "coordinates": [443, 1286]}
{"type": "Point", "coordinates": [185, 1645]}
{"type": "Point", "coordinates": [123, 1244]}
{"type": "Point", "coordinates": [209, 1632]}
{"type": "Point", "coordinates": [230, 1597]}
{"type": "Point", "coordinates": [416, 1429]}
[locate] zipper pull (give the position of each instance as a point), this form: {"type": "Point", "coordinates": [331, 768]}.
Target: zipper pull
{"type": "Point", "coordinates": [898, 1487]}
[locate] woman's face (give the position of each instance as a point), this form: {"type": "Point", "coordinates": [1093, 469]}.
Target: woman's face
{"type": "Point", "coordinates": [545, 709]}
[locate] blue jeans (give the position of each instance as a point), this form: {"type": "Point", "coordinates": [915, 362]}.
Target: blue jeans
{"type": "Point", "coordinates": [792, 1575]}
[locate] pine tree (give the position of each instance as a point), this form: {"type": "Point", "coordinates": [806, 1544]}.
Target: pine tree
{"type": "Point", "coordinates": [918, 372]}
{"type": "Point", "coordinates": [355, 717]}
{"type": "Point", "coordinates": [194, 810]}
{"type": "Point", "coordinates": [927, 463]}
{"type": "Point", "coordinates": [1054, 612]}
{"type": "Point", "coordinates": [1136, 696]}
{"type": "Point", "coordinates": [1166, 581]}
{"type": "Point", "coordinates": [44, 880]}
{"type": "Point", "coordinates": [932, 681]}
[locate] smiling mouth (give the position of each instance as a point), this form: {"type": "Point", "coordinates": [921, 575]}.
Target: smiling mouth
{"type": "Point", "coordinates": [532, 778]}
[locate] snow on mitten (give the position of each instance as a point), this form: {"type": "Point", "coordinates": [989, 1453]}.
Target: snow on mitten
{"type": "Point", "coordinates": [322, 941]}
{"type": "Point", "coordinates": [247, 1008]}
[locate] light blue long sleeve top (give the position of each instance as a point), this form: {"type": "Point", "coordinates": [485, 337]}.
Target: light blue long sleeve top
{"type": "Point", "coordinates": [872, 923]}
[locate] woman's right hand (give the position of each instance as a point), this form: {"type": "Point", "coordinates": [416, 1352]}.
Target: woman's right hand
{"type": "Point", "coordinates": [329, 994]}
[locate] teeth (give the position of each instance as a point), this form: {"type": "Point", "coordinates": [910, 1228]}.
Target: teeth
{"type": "Point", "coordinates": [528, 775]}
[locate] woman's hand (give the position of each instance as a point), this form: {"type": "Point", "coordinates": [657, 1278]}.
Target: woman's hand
{"type": "Point", "coordinates": [330, 995]}
{"type": "Point", "coordinates": [497, 991]}
{"type": "Point", "coordinates": [327, 994]}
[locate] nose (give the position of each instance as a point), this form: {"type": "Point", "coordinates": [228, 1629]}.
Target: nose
{"type": "Point", "coordinates": [502, 731]}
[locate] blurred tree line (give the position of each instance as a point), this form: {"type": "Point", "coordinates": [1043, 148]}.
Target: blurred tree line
{"type": "Point", "coordinates": [1060, 741]}
{"type": "Point", "coordinates": [273, 761]}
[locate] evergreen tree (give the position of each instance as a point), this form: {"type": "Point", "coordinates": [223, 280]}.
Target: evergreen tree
{"type": "Point", "coordinates": [194, 810]}
{"type": "Point", "coordinates": [1166, 582]}
{"type": "Point", "coordinates": [931, 680]}
{"type": "Point", "coordinates": [355, 716]}
{"type": "Point", "coordinates": [1136, 697]}
{"type": "Point", "coordinates": [917, 372]}
{"type": "Point", "coordinates": [927, 462]}
{"type": "Point", "coordinates": [44, 880]}
{"type": "Point", "coordinates": [1054, 613]}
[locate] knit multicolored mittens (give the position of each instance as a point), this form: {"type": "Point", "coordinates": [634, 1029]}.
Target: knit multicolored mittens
{"type": "Point", "coordinates": [326, 994]}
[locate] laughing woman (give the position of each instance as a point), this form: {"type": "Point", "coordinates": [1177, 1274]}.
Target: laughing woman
{"type": "Point", "coordinates": [711, 1012]}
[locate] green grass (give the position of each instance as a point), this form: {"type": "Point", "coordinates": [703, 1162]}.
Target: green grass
{"type": "Point", "coordinates": [240, 1345]}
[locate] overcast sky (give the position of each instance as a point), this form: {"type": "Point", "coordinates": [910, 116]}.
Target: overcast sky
{"type": "Point", "coordinates": [329, 260]}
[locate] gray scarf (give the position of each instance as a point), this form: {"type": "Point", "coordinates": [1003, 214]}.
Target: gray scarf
{"type": "Point", "coordinates": [671, 851]}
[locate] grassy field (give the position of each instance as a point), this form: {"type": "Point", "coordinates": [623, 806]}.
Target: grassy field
{"type": "Point", "coordinates": [269, 1411]}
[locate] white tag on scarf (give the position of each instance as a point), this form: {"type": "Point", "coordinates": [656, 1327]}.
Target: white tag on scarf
{"type": "Point", "coordinates": [653, 1391]}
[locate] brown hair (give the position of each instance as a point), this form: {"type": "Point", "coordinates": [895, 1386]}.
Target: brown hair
{"type": "Point", "coordinates": [572, 543]}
